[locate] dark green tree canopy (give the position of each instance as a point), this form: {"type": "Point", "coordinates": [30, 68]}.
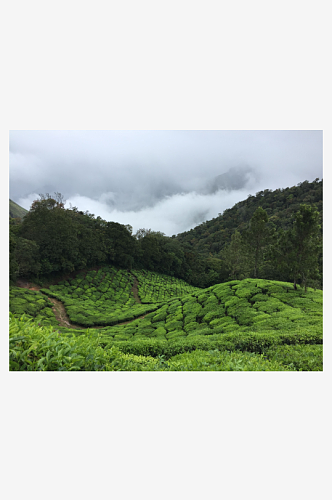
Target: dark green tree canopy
{"type": "Point", "coordinates": [256, 238]}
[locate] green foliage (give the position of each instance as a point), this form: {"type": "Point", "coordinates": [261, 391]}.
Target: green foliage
{"type": "Point", "coordinates": [154, 287]}
{"type": "Point", "coordinates": [32, 304]}
{"type": "Point", "coordinates": [93, 307]}
{"type": "Point", "coordinates": [235, 258]}
{"type": "Point", "coordinates": [16, 211]}
{"type": "Point", "coordinates": [297, 249]}
{"type": "Point", "coordinates": [32, 348]}
{"type": "Point", "coordinates": [40, 348]}
{"type": "Point", "coordinates": [298, 357]}
{"type": "Point", "coordinates": [199, 360]}
{"type": "Point", "coordinates": [211, 239]}
{"type": "Point", "coordinates": [256, 237]}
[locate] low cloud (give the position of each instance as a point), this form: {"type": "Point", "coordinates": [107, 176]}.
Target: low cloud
{"type": "Point", "coordinates": [168, 181]}
{"type": "Point", "coordinates": [172, 215]}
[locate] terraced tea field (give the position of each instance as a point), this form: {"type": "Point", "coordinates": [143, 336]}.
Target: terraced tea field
{"type": "Point", "coordinates": [239, 325]}
{"type": "Point", "coordinates": [155, 287]}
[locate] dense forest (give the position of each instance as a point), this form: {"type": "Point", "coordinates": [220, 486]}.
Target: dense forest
{"type": "Point", "coordinates": [274, 235]}
{"type": "Point", "coordinates": [280, 205]}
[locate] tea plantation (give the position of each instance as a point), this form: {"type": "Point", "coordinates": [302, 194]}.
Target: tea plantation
{"type": "Point", "coordinates": [140, 320]}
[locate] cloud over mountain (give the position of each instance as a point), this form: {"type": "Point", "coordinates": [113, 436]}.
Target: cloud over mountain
{"type": "Point", "coordinates": [164, 180]}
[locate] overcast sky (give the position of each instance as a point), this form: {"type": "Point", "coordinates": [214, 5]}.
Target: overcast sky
{"type": "Point", "coordinates": [168, 181]}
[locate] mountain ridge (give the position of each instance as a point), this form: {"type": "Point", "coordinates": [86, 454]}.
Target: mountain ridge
{"type": "Point", "coordinates": [15, 210]}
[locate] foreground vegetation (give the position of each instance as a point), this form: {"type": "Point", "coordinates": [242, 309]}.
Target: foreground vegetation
{"type": "Point", "coordinates": [250, 324]}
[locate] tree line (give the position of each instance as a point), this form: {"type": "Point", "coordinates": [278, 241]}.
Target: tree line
{"type": "Point", "coordinates": [261, 251]}
{"type": "Point", "coordinates": [51, 240]}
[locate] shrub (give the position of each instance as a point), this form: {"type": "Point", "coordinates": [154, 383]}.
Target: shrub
{"type": "Point", "coordinates": [175, 334]}
{"type": "Point", "coordinates": [173, 325]}
{"type": "Point", "coordinates": [160, 331]}
{"type": "Point", "coordinates": [222, 361]}
{"type": "Point", "coordinates": [300, 357]}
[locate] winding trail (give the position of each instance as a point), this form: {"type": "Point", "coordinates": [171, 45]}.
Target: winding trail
{"type": "Point", "coordinates": [135, 290]}
{"type": "Point", "coordinates": [61, 315]}
{"type": "Point", "coordinates": [58, 307]}
{"type": "Point", "coordinates": [60, 311]}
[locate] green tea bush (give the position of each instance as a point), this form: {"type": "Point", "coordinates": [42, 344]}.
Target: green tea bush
{"type": "Point", "coordinates": [33, 348]}
{"type": "Point", "coordinates": [173, 325]}
{"type": "Point", "coordinates": [213, 315]}
{"type": "Point", "coordinates": [222, 361]}
{"type": "Point", "coordinates": [189, 327]}
{"type": "Point", "coordinates": [175, 334]}
{"type": "Point", "coordinates": [31, 303]}
{"type": "Point", "coordinates": [160, 331]}
{"type": "Point", "coordinates": [154, 287]}
{"type": "Point", "coordinates": [246, 342]}
{"type": "Point", "coordinates": [299, 357]}
{"type": "Point", "coordinates": [247, 316]}
{"type": "Point", "coordinates": [191, 318]}
{"type": "Point", "coordinates": [159, 317]}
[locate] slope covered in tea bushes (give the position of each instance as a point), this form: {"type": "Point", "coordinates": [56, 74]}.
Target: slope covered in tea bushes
{"type": "Point", "coordinates": [251, 324]}
{"type": "Point", "coordinates": [155, 287]}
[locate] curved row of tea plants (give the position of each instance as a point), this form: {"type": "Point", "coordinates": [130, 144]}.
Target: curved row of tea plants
{"type": "Point", "coordinates": [258, 316]}
{"type": "Point", "coordinates": [155, 287]}
{"type": "Point", "coordinates": [32, 304]}
{"type": "Point", "coordinates": [102, 297]}
{"type": "Point", "coordinates": [261, 317]}
{"type": "Point", "coordinates": [237, 306]}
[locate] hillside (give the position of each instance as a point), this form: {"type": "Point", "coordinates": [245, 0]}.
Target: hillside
{"type": "Point", "coordinates": [240, 325]}
{"type": "Point", "coordinates": [15, 211]}
{"type": "Point", "coordinates": [210, 237]}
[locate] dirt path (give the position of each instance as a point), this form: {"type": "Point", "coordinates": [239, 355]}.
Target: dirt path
{"type": "Point", "coordinates": [60, 311]}
{"type": "Point", "coordinates": [135, 290]}
{"type": "Point", "coordinates": [28, 285]}
{"type": "Point", "coordinates": [58, 307]}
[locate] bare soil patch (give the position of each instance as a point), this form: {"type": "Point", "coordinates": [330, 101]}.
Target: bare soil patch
{"type": "Point", "coordinates": [135, 291]}
{"type": "Point", "coordinates": [27, 284]}
{"type": "Point", "coordinates": [60, 313]}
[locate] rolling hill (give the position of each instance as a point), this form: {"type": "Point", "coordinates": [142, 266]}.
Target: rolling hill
{"type": "Point", "coordinates": [210, 237]}
{"type": "Point", "coordinates": [15, 211]}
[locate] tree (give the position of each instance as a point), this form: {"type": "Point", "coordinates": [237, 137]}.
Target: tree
{"type": "Point", "coordinates": [298, 248]}
{"type": "Point", "coordinates": [121, 244]}
{"type": "Point", "coordinates": [235, 257]}
{"type": "Point", "coordinates": [51, 227]}
{"type": "Point", "coordinates": [26, 255]}
{"type": "Point", "coordinates": [256, 237]}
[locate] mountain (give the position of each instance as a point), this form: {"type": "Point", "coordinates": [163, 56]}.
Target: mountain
{"type": "Point", "coordinates": [16, 211]}
{"type": "Point", "coordinates": [209, 238]}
